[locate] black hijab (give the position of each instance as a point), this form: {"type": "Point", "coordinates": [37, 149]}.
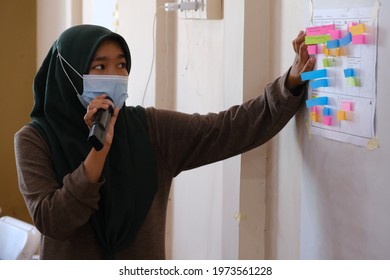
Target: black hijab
{"type": "Point", "coordinates": [130, 172]}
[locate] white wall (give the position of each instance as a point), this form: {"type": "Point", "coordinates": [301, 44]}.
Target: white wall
{"type": "Point", "coordinates": [197, 199]}
{"type": "Point", "coordinates": [53, 17]}
{"type": "Point", "coordinates": [345, 190]}
{"type": "Point", "coordinates": [221, 208]}
{"type": "Point", "coordinates": [328, 200]}
{"type": "Point", "coordinates": [285, 150]}
{"type": "Point", "coordinates": [136, 19]}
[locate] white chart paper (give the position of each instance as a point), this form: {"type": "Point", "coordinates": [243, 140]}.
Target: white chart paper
{"type": "Point", "coordinates": [350, 112]}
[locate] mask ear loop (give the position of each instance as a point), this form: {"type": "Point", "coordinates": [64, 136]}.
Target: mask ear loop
{"type": "Point", "coordinates": [61, 58]}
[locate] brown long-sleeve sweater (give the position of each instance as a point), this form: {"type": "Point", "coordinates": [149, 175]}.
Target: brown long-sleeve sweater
{"type": "Point", "coordinates": [181, 141]}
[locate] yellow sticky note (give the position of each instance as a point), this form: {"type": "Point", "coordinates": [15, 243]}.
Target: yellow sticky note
{"type": "Point", "coordinates": [351, 81]}
{"type": "Point", "coordinates": [325, 51]}
{"type": "Point", "coordinates": [357, 29]}
{"type": "Point", "coordinates": [337, 52]}
{"type": "Point", "coordinates": [313, 116]}
{"type": "Point", "coordinates": [341, 115]}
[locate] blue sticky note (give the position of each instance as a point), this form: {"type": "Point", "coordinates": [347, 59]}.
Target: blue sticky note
{"type": "Point", "coordinates": [333, 44]}
{"type": "Point", "coordinates": [349, 72]}
{"type": "Point", "coordinates": [311, 75]}
{"type": "Point", "coordinates": [323, 100]}
{"type": "Point", "coordinates": [326, 111]}
{"type": "Point", "coordinates": [319, 83]}
{"type": "Point", "coordinates": [347, 39]}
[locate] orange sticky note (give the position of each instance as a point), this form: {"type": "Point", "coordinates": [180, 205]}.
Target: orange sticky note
{"type": "Point", "coordinates": [313, 116]}
{"type": "Point", "coordinates": [325, 51]}
{"type": "Point", "coordinates": [314, 113]}
{"type": "Point", "coordinates": [337, 52]}
{"type": "Point", "coordinates": [341, 115]}
{"type": "Point", "coordinates": [357, 29]}
{"type": "Point", "coordinates": [351, 24]}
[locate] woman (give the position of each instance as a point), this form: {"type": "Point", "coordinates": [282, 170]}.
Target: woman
{"type": "Point", "coordinates": [111, 203]}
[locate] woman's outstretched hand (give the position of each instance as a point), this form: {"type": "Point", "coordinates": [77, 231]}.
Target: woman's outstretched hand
{"type": "Point", "coordinates": [302, 62]}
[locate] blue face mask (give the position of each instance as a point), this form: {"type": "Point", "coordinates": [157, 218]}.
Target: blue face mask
{"type": "Point", "coordinates": [112, 85]}
{"type": "Point", "coordinates": [94, 85]}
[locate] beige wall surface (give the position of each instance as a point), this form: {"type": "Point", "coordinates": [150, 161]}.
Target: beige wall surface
{"type": "Point", "coordinates": [18, 60]}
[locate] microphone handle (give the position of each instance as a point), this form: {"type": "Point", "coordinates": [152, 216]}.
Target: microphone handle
{"type": "Point", "coordinates": [97, 133]}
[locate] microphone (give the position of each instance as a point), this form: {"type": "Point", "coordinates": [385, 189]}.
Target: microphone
{"type": "Point", "coordinates": [97, 133]}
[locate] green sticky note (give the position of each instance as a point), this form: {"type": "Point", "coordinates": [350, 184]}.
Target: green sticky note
{"type": "Point", "coordinates": [318, 39]}
{"type": "Point", "coordinates": [353, 82]}
{"type": "Point", "coordinates": [329, 62]}
{"type": "Point", "coordinates": [325, 62]}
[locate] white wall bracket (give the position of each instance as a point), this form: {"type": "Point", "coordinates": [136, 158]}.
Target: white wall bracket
{"type": "Point", "coordinates": [197, 9]}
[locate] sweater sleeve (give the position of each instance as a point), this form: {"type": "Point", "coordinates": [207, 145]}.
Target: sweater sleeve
{"type": "Point", "coordinates": [57, 210]}
{"type": "Point", "coordinates": [187, 141]}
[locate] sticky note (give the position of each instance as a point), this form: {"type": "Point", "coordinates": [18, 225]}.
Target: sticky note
{"type": "Point", "coordinates": [314, 113]}
{"type": "Point", "coordinates": [359, 39]}
{"type": "Point", "coordinates": [347, 39]}
{"type": "Point", "coordinates": [318, 39]}
{"type": "Point", "coordinates": [325, 50]}
{"type": "Point", "coordinates": [328, 62]}
{"type": "Point", "coordinates": [325, 62]}
{"type": "Point", "coordinates": [313, 116]}
{"type": "Point", "coordinates": [319, 83]}
{"type": "Point", "coordinates": [350, 24]}
{"type": "Point", "coordinates": [336, 52]}
{"type": "Point", "coordinates": [319, 30]}
{"type": "Point", "coordinates": [357, 29]}
{"type": "Point", "coordinates": [349, 72]}
{"type": "Point", "coordinates": [326, 111]}
{"type": "Point", "coordinates": [341, 115]}
{"type": "Point", "coordinates": [342, 51]}
{"type": "Point", "coordinates": [334, 34]}
{"type": "Point", "coordinates": [347, 106]}
{"type": "Point", "coordinates": [311, 75]}
{"type": "Point", "coordinates": [323, 100]}
{"type": "Point", "coordinates": [333, 44]}
{"type": "Point", "coordinates": [353, 81]}
{"type": "Point", "coordinates": [327, 120]}
{"type": "Point", "coordinates": [312, 49]}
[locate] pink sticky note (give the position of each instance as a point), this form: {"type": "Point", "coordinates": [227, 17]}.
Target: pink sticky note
{"type": "Point", "coordinates": [346, 106]}
{"type": "Point", "coordinates": [327, 120]}
{"type": "Point", "coordinates": [358, 39]}
{"type": "Point", "coordinates": [314, 109]}
{"type": "Point", "coordinates": [319, 30]}
{"type": "Point", "coordinates": [335, 34]}
{"type": "Point", "coordinates": [312, 49]}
